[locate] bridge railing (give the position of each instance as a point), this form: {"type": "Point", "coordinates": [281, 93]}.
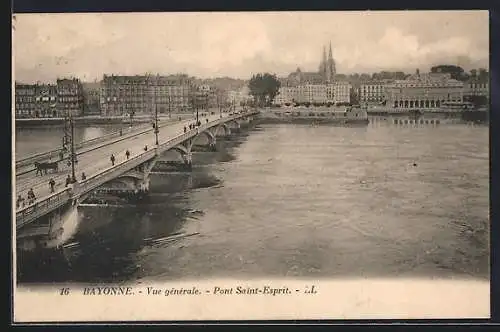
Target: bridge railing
{"type": "Point", "coordinates": [39, 208]}
{"type": "Point", "coordinates": [44, 155]}
{"type": "Point", "coordinates": [112, 172]}
{"type": "Point", "coordinates": [96, 180]}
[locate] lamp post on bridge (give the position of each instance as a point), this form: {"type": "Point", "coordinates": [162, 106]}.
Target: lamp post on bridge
{"type": "Point", "coordinates": [69, 134]}
{"type": "Point", "coordinates": [155, 124]}
{"type": "Point", "coordinates": [169, 106]}
{"type": "Point", "coordinates": [197, 107]}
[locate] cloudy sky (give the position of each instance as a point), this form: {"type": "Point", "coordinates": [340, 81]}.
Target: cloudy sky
{"type": "Point", "coordinates": [238, 44]}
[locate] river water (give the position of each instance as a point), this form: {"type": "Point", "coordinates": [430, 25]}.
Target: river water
{"type": "Point", "coordinates": [324, 201]}
{"type": "Point", "coordinates": [30, 141]}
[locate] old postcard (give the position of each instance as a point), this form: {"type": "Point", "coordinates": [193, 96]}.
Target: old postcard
{"type": "Point", "coordinates": [250, 166]}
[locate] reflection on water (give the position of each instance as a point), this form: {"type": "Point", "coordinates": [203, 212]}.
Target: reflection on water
{"type": "Point", "coordinates": [298, 201]}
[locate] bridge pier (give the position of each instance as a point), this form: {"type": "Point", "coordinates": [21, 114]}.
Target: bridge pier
{"type": "Point", "coordinates": [212, 146]}
{"type": "Point", "coordinates": [188, 160]}
{"type": "Point", "coordinates": [56, 227]}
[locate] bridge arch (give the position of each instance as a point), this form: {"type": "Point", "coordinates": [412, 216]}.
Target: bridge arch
{"type": "Point", "coordinates": [205, 133]}
{"type": "Point", "coordinates": [182, 152]}
{"type": "Point", "coordinates": [181, 149]}
{"type": "Point", "coordinates": [233, 123]}
{"type": "Point", "coordinates": [128, 182]}
{"type": "Point", "coordinates": [224, 127]}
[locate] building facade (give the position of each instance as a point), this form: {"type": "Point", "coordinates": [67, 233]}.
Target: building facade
{"type": "Point", "coordinates": [312, 93]}
{"type": "Point", "coordinates": [424, 91]}
{"type": "Point", "coordinates": [91, 93]}
{"type": "Point", "coordinates": [321, 94]}
{"type": "Point", "coordinates": [70, 97]}
{"type": "Point", "coordinates": [24, 100]}
{"type": "Point", "coordinates": [338, 92]}
{"type": "Point", "coordinates": [477, 88]}
{"type": "Point", "coordinates": [212, 95]}
{"type": "Point", "coordinates": [372, 92]}
{"type": "Point", "coordinates": [36, 100]}
{"type": "Point", "coordinates": [125, 95]}
{"type": "Point", "coordinates": [286, 96]}
{"type": "Point", "coordinates": [240, 96]}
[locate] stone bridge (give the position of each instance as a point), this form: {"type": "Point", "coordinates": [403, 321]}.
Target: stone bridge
{"type": "Point", "coordinates": [127, 175]}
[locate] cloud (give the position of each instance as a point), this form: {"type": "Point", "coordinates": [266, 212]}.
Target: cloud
{"type": "Point", "coordinates": [238, 44]}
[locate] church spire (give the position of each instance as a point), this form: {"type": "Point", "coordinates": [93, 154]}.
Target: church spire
{"type": "Point", "coordinates": [324, 55]}
{"type": "Point", "coordinates": [330, 66]}
{"type": "Point", "coordinates": [322, 64]}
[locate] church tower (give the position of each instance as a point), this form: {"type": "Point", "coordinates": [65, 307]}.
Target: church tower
{"type": "Point", "coordinates": [331, 70]}
{"type": "Point", "coordinates": [323, 66]}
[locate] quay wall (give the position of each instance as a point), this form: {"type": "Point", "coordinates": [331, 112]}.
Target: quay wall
{"type": "Point", "coordinates": [314, 116]}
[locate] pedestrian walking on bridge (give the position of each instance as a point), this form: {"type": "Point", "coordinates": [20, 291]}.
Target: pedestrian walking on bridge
{"type": "Point", "coordinates": [112, 158]}
{"type": "Point", "coordinates": [52, 184]}
{"type": "Point", "coordinates": [207, 120]}
{"type": "Point", "coordinates": [127, 153]}
{"type": "Point", "coordinates": [185, 129]}
{"type": "Point", "coordinates": [145, 148]}
{"type": "Point", "coordinates": [68, 180]}
{"type": "Point", "coordinates": [19, 201]}
{"type": "Point", "coordinates": [84, 177]}
{"type": "Point", "coordinates": [31, 196]}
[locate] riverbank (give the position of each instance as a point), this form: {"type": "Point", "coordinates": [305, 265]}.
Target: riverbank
{"type": "Point", "coordinates": [465, 115]}
{"type": "Point", "coordinates": [312, 121]}
{"type": "Point", "coordinates": [335, 116]}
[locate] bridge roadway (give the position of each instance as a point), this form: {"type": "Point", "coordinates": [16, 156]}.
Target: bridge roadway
{"type": "Point", "coordinates": [25, 164]}
{"type": "Point", "coordinates": [96, 160]}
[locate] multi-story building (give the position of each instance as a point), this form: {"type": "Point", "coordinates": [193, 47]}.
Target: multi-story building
{"type": "Point", "coordinates": [372, 92]}
{"type": "Point", "coordinates": [91, 92]}
{"type": "Point", "coordinates": [46, 101]}
{"type": "Point", "coordinates": [36, 100]}
{"type": "Point", "coordinates": [313, 93]}
{"type": "Point", "coordinates": [70, 97]}
{"type": "Point", "coordinates": [238, 97]}
{"type": "Point", "coordinates": [476, 87]}
{"type": "Point", "coordinates": [286, 95]}
{"type": "Point", "coordinates": [212, 95]}
{"type": "Point", "coordinates": [121, 95]}
{"type": "Point", "coordinates": [331, 93]}
{"type": "Point", "coordinates": [25, 100]}
{"type": "Point", "coordinates": [338, 92]}
{"type": "Point", "coordinates": [424, 91]}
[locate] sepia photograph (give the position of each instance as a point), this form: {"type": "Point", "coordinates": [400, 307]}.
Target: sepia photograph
{"type": "Point", "coordinates": [186, 166]}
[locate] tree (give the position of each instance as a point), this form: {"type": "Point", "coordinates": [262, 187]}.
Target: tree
{"type": "Point", "coordinates": [483, 74]}
{"type": "Point", "coordinates": [264, 88]}
{"type": "Point", "coordinates": [364, 77]}
{"type": "Point", "coordinates": [456, 72]}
